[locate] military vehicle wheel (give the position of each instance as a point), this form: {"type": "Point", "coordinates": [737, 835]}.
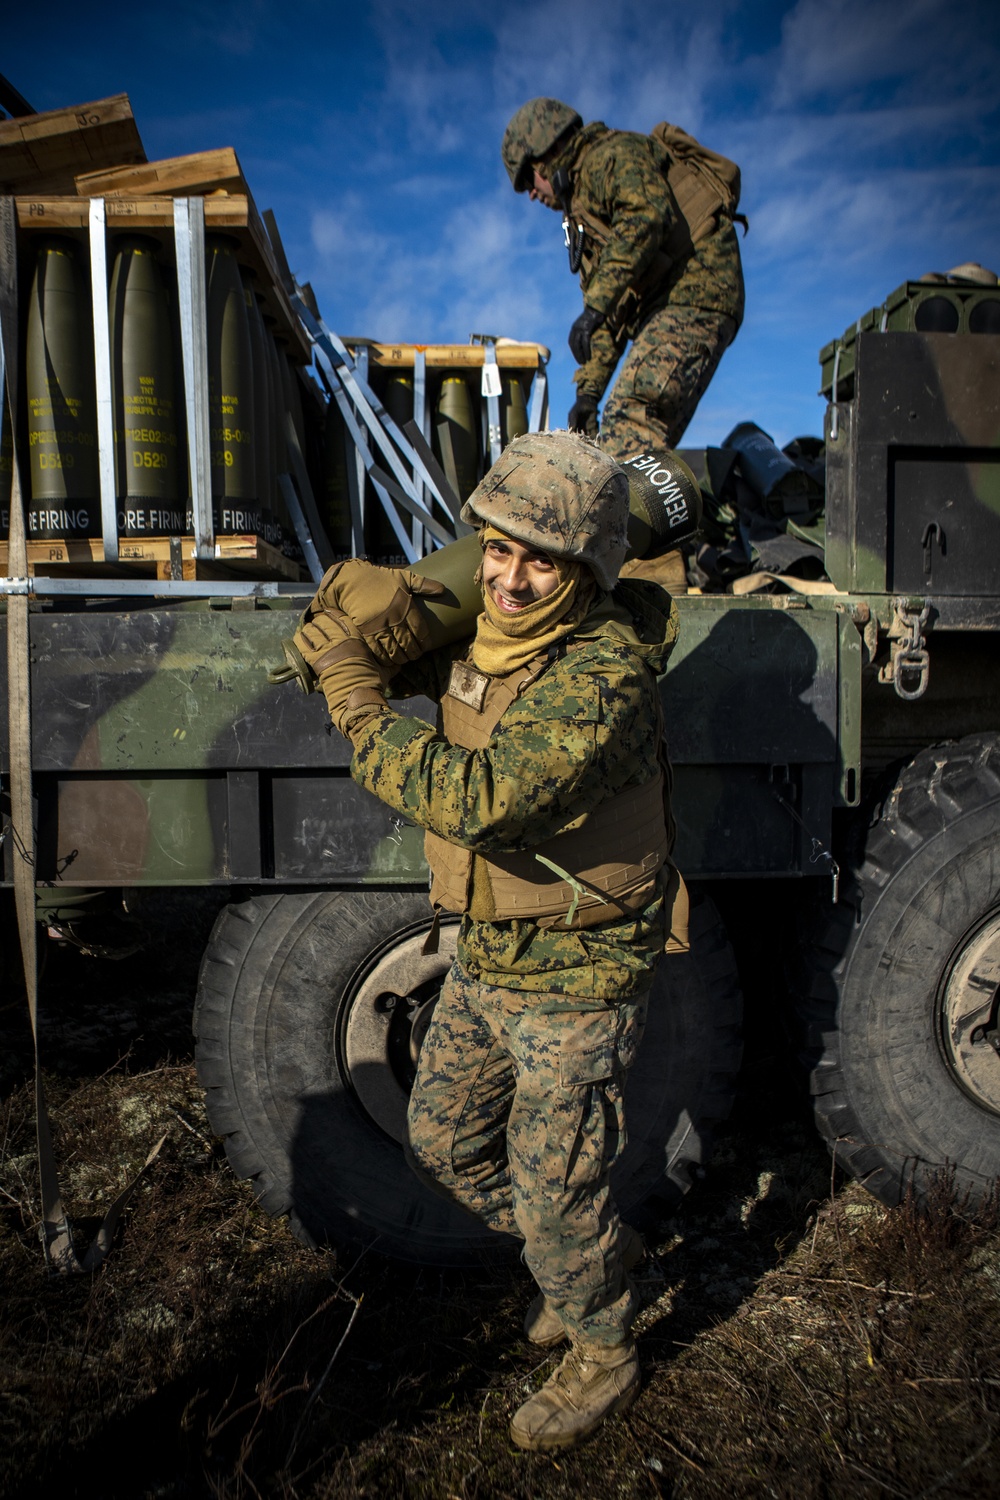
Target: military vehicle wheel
{"type": "Point", "coordinates": [310, 1012]}
{"type": "Point", "coordinates": [904, 1008]}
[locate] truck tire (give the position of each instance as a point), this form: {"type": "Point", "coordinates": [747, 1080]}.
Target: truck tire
{"type": "Point", "coordinates": [309, 1014]}
{"type": "Point", "coordinates": [902, 1013]}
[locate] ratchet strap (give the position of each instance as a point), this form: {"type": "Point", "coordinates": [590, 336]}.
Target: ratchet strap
{"type": "Point", "coordinates": [55, 1231]}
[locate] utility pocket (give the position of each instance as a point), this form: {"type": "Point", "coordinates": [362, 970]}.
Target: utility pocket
{"type": "Point", "coordinates": [602, 1045]}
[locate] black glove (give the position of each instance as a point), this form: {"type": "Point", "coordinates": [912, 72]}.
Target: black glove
{"type": "Point", "coordinates": [583, 415]}
{"type": "Point", "coordinates": [580, 333]}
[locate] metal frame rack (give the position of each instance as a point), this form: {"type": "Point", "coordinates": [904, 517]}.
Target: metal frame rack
{"type": "Point", "coordinates": [399, 463]}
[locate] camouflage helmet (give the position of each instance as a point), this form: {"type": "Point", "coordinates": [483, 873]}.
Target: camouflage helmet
{"type": "Point", "coordinates": [558, 493]}
{"type": "Point", "coordinates": [531, 134]}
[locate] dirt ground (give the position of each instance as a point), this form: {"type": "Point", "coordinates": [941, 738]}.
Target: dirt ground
{"type": "Point", "coordinates": [797, 1339]}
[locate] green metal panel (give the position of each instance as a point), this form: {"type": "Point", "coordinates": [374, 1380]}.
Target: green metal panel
{"type": "Point", "coordinates": [752, 681]}
{"type": "Point", "coordinates": [751, 709]}
{"type": "Point", "coordinates": [163, 755]}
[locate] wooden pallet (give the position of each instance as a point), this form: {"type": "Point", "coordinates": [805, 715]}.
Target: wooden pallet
{"type": "Point", "coordinates": [202, 173]}
{"type": "Point", "coordinates": [44, 153]}
{"type": "Point", "coordinates": [230, 213]}
{"type": "Point", "coordinates": [510, 355]}
{"type": "Point", "coordinates": [161, 557]}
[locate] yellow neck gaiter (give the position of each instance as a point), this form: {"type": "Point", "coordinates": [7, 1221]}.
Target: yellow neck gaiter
{"type": "Point", "coordinates": [504, 642]}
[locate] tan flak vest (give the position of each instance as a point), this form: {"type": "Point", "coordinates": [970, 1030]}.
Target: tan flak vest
{"type": "Point", "coordinates": [601, 868]}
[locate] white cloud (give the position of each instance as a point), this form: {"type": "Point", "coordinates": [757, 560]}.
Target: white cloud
{"type": "Point", "coordinates": [866, 134]}
{"type": "Point", "coordinates": [628, 64]}
{"type": "Point", "coordinates": [833, 48]}
{"type": "Point", "coordinates": [487, 267]}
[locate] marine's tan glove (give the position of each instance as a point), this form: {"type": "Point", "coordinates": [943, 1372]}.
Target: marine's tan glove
{"type": "Point", "coordinates": [383, 604]}
{"type": "Point", "coordinates": [350, 679]}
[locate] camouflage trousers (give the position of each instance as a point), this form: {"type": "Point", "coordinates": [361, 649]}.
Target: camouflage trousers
{"type": "Point", "coordinates": [517, 1115]}
{"type": "Point", "coordinates": [665, 374]}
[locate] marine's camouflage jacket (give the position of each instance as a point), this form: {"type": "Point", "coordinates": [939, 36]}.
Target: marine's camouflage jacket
{"type": "Point", "coordinates": [584, 730]}
{"type": "Point", "coordinates": [619, 177]}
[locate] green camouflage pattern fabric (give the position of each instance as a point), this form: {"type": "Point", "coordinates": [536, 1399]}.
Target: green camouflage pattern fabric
{"type": "Point", "coordinates": [517, 1115]}
{"type": "Point", "coordinates": [584, 730]}
{"type": "Point", "coordinates": [558, 492]}
{"type": "Point", "coordinates": [665, 374]}
{"type": "Point", "coordinates": [531, 134]}
{"type": "Point", "coordinates": [619, 178]}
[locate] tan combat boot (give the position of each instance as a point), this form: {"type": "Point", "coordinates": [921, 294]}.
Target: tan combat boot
{"type": "Point", "coordinates": [542, 1324]}
{"type": "Point", "coordinates": [592, 1383]}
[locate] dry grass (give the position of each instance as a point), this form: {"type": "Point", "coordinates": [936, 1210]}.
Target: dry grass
{"type": "Point", "coordinates": [796, 1342]}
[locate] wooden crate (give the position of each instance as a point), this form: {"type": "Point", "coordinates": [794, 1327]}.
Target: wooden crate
{"type": "Point", "coordinates": [199, 174]}
{"type": "Point", "coordinates": [510, 354]}
{"type": "Point", "coordinates": [156, 557]}
{"type": "Point", "coordinates": [234, 214]}
{"type": "Point", "coordinates": [44, 153]}
{"type": "Point", "coordinates": [54, 165]}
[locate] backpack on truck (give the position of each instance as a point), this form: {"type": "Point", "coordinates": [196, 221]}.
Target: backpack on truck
{"type": "Point", "coordinates": [704, 184]}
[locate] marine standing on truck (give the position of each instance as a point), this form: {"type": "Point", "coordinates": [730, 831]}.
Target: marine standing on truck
{"type": "Point", "coordinates": [651, 234]}
{"type": "Point", "coordinates": [542, 794]}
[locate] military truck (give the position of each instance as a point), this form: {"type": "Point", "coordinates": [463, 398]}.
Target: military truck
{"type": "Point", "coordinates": [844, 744]}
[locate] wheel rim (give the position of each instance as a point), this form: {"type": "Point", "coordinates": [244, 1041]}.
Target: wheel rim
{"type": "Point", "coordinates": [970, 1001]}
{"type": "Point", "coordinates": [385, 1021]}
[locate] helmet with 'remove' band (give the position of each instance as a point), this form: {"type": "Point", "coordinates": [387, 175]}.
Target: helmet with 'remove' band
{"type": "Point", "coordinates": [558, 493]}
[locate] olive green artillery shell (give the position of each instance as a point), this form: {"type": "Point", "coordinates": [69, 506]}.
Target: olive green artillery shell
{"type": "Point", "coordinates": [456, 440]}
{"type": "Point", "coordinates": [231, 393]}
{"type": "Point", "coordinates": [62, 405]}
{"type": "Point", "coordinates": [150, 457]}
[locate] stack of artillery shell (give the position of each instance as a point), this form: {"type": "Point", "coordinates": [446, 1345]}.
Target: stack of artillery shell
{"type": "Point", "coordinates": [251, 388]}
{"type": "Point", "coordinates": [266, 421]}
{"type": "Point", "coordinates": [458, 429]}
{"type": "Point", "coordinates": [96, 150]}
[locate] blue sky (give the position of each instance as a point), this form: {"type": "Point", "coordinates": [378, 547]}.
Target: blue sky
{"type": "Point", "coordinates": [867, 131]}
